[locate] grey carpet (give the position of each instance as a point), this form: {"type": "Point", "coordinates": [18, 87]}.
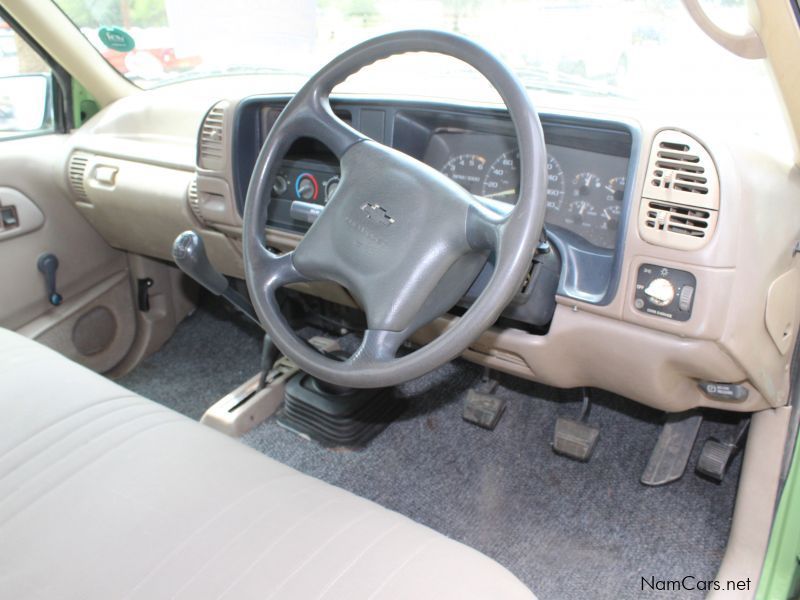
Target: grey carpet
{"type": "Point", "coordinates": [213, 351]}
{"type": "Point", "coordinates": [567, 529]}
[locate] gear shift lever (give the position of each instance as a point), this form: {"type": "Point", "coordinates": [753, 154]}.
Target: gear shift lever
{"type": "Point", "coordinates": [189, 253]}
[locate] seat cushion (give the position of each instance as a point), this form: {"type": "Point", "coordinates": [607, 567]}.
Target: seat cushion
{"type": "Point", "coordinates": [104, 494]}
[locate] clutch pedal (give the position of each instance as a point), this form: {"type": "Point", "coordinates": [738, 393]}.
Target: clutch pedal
{"type": "Point", "coordinates": [482, 407]}
{"type": "Point", "coordinates": [575, 438]}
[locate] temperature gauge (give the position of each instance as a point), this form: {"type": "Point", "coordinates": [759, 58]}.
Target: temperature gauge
{"type": "Point", "coordinates": [616, 189]}
{"type": "Point", "coordinates": [306, 187]}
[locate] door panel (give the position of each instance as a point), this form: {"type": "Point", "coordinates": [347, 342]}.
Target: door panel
{"type": "Point", "coordinates": [96, 322]}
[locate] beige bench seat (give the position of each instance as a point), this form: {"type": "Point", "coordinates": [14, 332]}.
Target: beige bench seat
{"type": "Point", "coordinates": [107, 495]}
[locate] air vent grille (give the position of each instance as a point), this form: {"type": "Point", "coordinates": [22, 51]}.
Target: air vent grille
{"type": "Point", "coordinates": [677, 168]}
{"type": "Point", "coordinates": [680, 199]}
{"type": "Point", "coordinates": [211, 145]}
{"type": "Point", "coordinates": [673, 218]}
{"type": "Point", "coordinates": [194, 199]}
{"type": "Point", "coordinates": [76, 170]}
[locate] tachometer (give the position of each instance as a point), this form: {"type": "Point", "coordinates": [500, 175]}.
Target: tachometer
{"type": "Point", "coordinates": [467, 170]}
{"type": "Point", "coordinates": [502, 180]}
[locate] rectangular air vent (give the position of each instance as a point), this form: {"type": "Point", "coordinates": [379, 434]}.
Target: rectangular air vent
{"type": "Point", "coordinates": [680, 199]}
{"type": "Point", "coordinates": [682, 220]}
{"type": "Point", "coordinates": [211, 143]}
{"type": "Point", "coordinates": [76, 170]}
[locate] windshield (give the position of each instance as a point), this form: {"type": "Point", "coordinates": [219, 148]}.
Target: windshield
{"type": "Point", "coordinates": [645, 51]}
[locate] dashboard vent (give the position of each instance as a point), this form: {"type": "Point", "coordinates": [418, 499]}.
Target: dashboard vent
{"type": "Point", "coordinates": [680, 200]}
{"type": "Point", "coordinates": [211, 145]}
{"type": "Point", "coordinates": [682, 220]}
{"type": "Point", "coordinates": [76, 170]}
{"type": "Point", "coordinates": [194, 199]}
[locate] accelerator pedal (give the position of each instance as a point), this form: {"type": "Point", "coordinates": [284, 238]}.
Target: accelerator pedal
{"type": "Point", "coordinates": [717, 455]}
{"type": "Point", "coordinates": [575, 438]}
{"type": "Point", "coordinates": [674, 447]}
{"type": "Point", "coordinates": [482, 407]}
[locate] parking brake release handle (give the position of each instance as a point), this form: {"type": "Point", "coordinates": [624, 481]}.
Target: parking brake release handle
{"type": "Point", "coordinates": [190, 255]}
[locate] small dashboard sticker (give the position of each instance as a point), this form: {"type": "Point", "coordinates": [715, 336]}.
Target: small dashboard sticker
{"type": "Point", "coordinates": [116, 38]}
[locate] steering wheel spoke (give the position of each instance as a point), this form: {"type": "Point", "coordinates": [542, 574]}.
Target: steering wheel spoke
{"type": "Point", "coordinates": [276, 270]}
{"type": "Point", "coordinates": [485, 222]}
{"type": "Point", "coordinates": [377, 346]}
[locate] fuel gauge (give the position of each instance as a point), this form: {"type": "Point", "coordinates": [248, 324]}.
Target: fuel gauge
{"type": "Point", "coordinates": [616, 189]}
{"type": "Point", "coordinates": [586, 185]}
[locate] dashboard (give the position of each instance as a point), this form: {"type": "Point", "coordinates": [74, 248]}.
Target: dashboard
{"type": "Point", "coordinates": [588, 164]}
{"type": "Point", "coordinates": [662, 267]}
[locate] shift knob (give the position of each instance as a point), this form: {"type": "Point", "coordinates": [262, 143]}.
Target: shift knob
{"type": "Point", "coordinates": [190, 255]}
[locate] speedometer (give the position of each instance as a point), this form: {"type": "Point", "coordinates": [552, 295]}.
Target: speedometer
{"type": "Point", "coordinates": [467, 170]}
{"type": "Point", "coordinates": [502, 180]}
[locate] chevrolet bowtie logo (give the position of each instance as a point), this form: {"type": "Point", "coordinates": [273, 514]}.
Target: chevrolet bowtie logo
{"type": "Point", "coordinates": [377, 214]}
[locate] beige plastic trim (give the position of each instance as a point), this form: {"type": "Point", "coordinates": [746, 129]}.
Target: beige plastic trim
{"type": "Point", "coordinates": [781, 313]}
{"type": "Point", "coordinates": [29, 216]}
{"type": "Point", "coordinates": [247, 406]}
{"type": "Point", "coordinates": [755, 502]}
{"type": "Point", "coordinates": [684, 197]}
{"type": "Point", "coordinates": [172, 297]}
{"type": "Point", "coordinates": [747, 45]}
{"type": "Point", "coordinates": [55, 327]}
{"type": "Point", "coordinates": [780, 35]}
{"type": "Point", "coordinates": [54, 32]}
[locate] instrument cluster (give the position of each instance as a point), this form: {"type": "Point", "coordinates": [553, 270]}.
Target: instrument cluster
{"type": "Point", "coordinates": [585, 189]}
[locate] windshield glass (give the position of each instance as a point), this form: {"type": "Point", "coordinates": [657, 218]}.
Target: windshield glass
{"type": "Point", "coordinates": [645, 51]}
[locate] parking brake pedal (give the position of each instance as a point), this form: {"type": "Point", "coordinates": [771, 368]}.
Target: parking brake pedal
{"type": "Point", "coordinates": [482, 407]}
{"type": "Point", "coordinates": [576, 438]}
{"type": "Point", "coordinates": [717, 455]}
{"type": "Point", "coordinates": [674, 447]}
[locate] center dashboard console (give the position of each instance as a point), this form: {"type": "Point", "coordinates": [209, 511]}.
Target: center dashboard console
{"type": "Point", "coordinates": [589, 163]}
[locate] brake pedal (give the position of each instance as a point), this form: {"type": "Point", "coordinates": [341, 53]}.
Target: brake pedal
{"type": "Point", "coordinates": [672, 450]}
{"type": "Point", "coordinates": [717, 455]}
{"type": "Point", "coordinates": [575, 438]}
{"type": "Point", "coordinates": [482, 407]}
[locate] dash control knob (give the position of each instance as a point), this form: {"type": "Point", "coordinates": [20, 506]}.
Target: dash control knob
{"type": "Point", "coordinates": [665, 292]}
{"type": "Point", "coordinates": [660, 292]}
{"type": "Point", "coordinates": [280, 185]}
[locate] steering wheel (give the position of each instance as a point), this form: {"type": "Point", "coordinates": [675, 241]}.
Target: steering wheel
{"type": "Point", "coordinates": [405, 240]}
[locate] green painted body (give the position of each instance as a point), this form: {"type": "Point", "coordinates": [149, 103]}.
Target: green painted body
{"type": "Point", "coordinates": [780, 578]}
{"type": "Point", "coordinates": [84, 106]}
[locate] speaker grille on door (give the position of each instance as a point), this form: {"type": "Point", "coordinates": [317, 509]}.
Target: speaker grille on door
{"type": "Point", "coordinates": [95, 331]}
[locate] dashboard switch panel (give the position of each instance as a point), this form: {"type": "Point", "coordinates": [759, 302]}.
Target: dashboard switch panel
{"type": "Point", "coordinates": [665, 292]}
